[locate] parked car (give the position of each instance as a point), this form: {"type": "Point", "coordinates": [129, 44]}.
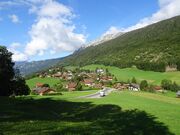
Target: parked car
{"type": "Point", "coordinates": [102, 93]}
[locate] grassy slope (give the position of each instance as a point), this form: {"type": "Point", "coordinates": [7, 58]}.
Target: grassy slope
{"type": "Point", "coordinates": [32, 82]}
{"type": "Point", "coordinates": [166, 109]}
{"type": "Point", "coordinates": [52, 115]}
{"type": "Point", "coordinates": [128, 73]}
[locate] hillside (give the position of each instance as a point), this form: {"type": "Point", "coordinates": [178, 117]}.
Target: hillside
{"type": "Point", "coordinates": [151, 48]}
{"type": "Point", "coordinates": [35, 66]}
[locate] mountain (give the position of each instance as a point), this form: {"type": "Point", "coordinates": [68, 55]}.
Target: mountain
{"type": "Point", "coordinates": [27, 68]}
{"type": "Point", "coordinates": [104, 38]}
{"type": "Point", "coordinates": [150, 48]}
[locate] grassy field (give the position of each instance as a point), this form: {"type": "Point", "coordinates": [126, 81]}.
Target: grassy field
{"type": "Point", "coordinates": [119, 113]}
{"type": "Point", "coordinates": [32, 82]}
{"type": "Point", "coordinates": [128, 73]}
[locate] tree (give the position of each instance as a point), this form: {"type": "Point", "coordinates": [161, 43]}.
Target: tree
{"type": "Point", "coordinates": [175, 87]}
{"type": "Point", "coordinates": [6, 72]}
{"type": "Point", "coordinates": [143, 85]}
{"type": "Point", "coordinates": [166, 84]}
{"type": "Point", "coordinates": [115, 79]}
{"type": "Point", "coordinates": [133, 80]}
{"type": "Point", "coordinates": [58, 86]}
{"type": "Point", "coordinates": [18, 85]}
{"type": "Point", "coordinates": [79, 87]}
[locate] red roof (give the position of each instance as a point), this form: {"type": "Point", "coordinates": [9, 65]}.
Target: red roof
{"type": "Point", "coordinates": [158, 88]}
{"type": "Point", "coordinates": [88, 81]}
{"type": "Point", "coordinates": [39, 84]}
{"type": "Point", "coordinates": [72, 85]}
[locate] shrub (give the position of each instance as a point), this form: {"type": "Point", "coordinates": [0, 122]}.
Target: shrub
{"type": "Point", "coordinates": [133, 80]}
{"type": "Point", "coordinates": [144, 85]}
{"type": "Point", "coordinates": [166, 84]}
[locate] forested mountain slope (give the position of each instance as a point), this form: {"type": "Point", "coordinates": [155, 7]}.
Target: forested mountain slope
{"type": "Point", "coordinates": [151, 48]}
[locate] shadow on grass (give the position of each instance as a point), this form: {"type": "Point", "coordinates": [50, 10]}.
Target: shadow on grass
{"type": "Point", "coordinates": [58, 117]}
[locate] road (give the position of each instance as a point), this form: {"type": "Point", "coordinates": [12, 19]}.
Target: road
{"type": "Point", "coordinates": [97, 94]}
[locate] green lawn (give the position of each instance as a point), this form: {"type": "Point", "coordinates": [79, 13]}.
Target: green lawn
{"type": "Point", "coordinates": [51, 81]}
{"type": "Point", "coordinates": [118, 113]}
{"type": "Point", "coordinates": [128, 73]}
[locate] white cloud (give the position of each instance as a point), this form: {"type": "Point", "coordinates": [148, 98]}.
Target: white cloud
{"type": "Point", "coordinates": [17, 55]}
{"type": "Point", "coordinates": [14, 18]}
{"type": "Point", "coordinates": [53, 30]}
{"type": "Point", "coordinates": [168, 9]}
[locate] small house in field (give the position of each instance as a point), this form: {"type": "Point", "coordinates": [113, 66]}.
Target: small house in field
{"type": "Point", "coordinates": [39, 85]}
{"type": "Point", "coordinates": [100, 71]}
{"type": "Point", "coordinates": [43, 90]}
{"type": "Point", "coordinates": [89, 82]}
{"type": "Point", "coordinates": [158, 88]}
{"type": "Point", "coordinates": [178, 94]}
{"type": "Point", "coordinates": [134, 87]}
{"type": "Point", "coordinates": [71, 86]}
{"type": "Point", "coordinates": [106, 78]}
{"type": "Point", "coordinates": [57, 75]}
{"type": "Point", "coordinates": [98, 86]}
{"type": "Point", "coordinates": [120, 86]}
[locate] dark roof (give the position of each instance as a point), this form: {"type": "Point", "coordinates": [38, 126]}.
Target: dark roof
{"type": "Point", "coordinates": [134, 85]}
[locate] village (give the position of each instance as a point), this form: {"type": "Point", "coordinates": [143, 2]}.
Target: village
{"type": "Point", "coordinates": [81, 80]}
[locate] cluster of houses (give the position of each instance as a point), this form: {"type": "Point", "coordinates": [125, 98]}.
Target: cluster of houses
{"type": "Point", "coordinates": [97, 79]}
{"type": "Point", "coordinates": [92, 79]}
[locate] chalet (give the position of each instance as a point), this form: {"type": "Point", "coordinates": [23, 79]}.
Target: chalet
{"type": "Point", "coordinates": [89, 82]}
{"type": "Point", "coordinates": [100, 71]}
{"type": "Point", "coordinates": [134, 87]}
{"type": "Point", "coordinates": [57, 75]}
{"type": "Point", "coordinates": [71, 86]}
{"type": "Point", "coordinates": [120, 86]}
{"type": "Point", "coordinates": [39, 85]}
{"type": "Point", "coordinates": [178, 94]}
{"type": "Point", "coordinates": [43, 90]}
{"type": "Point", "coordinates": [106, 78]}
{"type": "Point", "coordinates": [98, 86]}
{"type": "Point", "coordinates": [158, 88]}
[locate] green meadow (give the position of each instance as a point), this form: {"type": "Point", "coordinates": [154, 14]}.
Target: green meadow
{"type": "Point", "coordinates": [32, 82]}
{"type": "Point", "coordinates": [129, 73]}
{"type": "Point", "coordinates": [118, 113]}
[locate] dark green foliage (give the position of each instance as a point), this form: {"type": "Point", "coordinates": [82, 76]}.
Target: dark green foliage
{"type": "Point", "coordinates": [46, 85]}
{"type": "Point", "coordinates": [166, 84]}
{"type": "Point", "coordinates": [58, 87]}
{"type": "Point", "coordinates": [18, 85]}
{"type": "Point", "coordinates": [175, 87]}
{"type": "Point", "coordinates": [150, 48]}
{"type": "Point", "coordinates": [169, 85]}
{"type": "Point", "coordinates": [133, 80]}
{"type": "Point", "coordinates": [79, 87]}
{"type": "Point", "coordinates": [11, 81]}
{"type": "Point", "coordinates": [6, 72]}
{"type": "Point", "coordinates": [144, 85]}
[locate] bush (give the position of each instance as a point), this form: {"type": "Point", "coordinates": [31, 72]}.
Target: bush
{"type": "Point", "coordinates": [58, 87]}
{"type": "Point", "coordinates": [166, 84]}
{"type": "Point", "coordinates": [133, 80]}
{"type": "Point", "coordinates": [144, 85]}
{"type": "Point", "coordinates": [79, 87]}
{"type": "Point", "coordinates": [46, 85]}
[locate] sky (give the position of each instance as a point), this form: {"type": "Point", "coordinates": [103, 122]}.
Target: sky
{"type": "Point", "coordinates": [45, 29]}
